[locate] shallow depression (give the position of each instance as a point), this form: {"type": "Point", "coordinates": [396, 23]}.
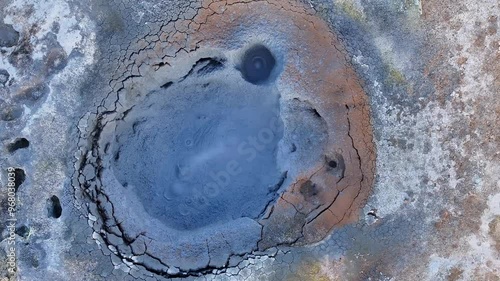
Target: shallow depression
{"type": "Point", "coordinates": [198, 154]}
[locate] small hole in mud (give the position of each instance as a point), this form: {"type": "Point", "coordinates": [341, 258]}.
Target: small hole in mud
{"type": "Point", "coordinates": [18, 144]}
{"type": "Point", "coordinates": [336, 164]}
{"type": "Point", "coordinates": [19, 178]}
{"type": "Point", "coordinates": [258, 64]}
{"type": "Point", "coordinates": [54, 207]}
{"type": "Point", "coordinates": [373, 213]}
{"type": "Point", "coordinates": [167, 85]}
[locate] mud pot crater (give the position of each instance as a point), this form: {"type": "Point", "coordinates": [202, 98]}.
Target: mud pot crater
{"type": "Point", "coordinates": [202, 160]}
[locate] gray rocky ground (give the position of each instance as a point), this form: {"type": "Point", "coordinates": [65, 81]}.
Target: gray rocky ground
{"type": "Point", "coordinates": [379, 126]}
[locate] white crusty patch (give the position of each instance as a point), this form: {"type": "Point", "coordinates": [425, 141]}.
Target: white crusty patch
{"type": "Point", "coordinates": [24, 14]}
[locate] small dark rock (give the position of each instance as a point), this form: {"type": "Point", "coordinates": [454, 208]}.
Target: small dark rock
{"type": "Point", "coordinates": [8, 35]}
{"type": "Point", "coordinates": [23, 231]}
{"type": "Point", "coordinates": [55, 60]}
{"type": "Point", "coordinates": [4, 76]}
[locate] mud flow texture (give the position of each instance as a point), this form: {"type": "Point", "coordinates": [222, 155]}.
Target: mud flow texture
{"type": "Point", "coordinates": [198, 155]}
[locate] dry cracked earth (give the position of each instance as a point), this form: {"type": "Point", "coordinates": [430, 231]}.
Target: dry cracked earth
{"type": "Point", "coordinates": [250, 140]}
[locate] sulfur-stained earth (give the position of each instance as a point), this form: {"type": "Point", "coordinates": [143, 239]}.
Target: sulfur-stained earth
{"type": "Point", "coordinates": [250, 140]}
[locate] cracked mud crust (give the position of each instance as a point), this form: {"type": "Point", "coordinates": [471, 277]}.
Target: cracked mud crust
{"type": "Point", "coordinates": [321, 150]}
{"type": "Point", "coordinates": [133, 130]}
